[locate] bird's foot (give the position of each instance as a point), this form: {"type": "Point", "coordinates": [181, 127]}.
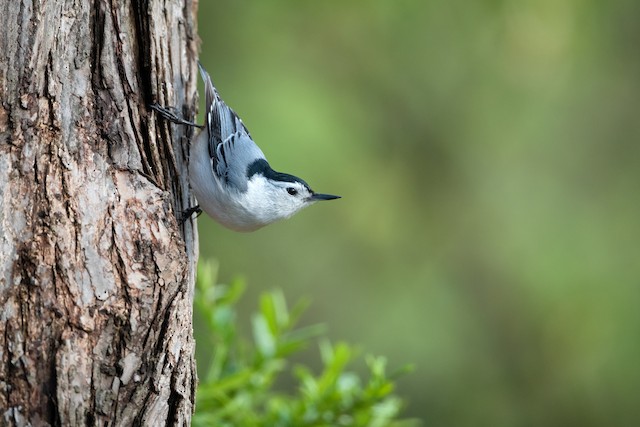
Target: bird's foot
{"type": "Point", "coordinates": [186, 215]}
{"type": "Point", "coordinates": [169, 113]}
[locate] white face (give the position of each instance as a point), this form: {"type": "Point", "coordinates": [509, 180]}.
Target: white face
{"type": "Point", "coordinates": [270, 201]}
{"type": "Point", "coordinates": [290, 197]}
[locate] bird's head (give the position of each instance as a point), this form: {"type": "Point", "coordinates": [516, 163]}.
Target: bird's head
{"type": "Point", "coordinates": [275, 195]}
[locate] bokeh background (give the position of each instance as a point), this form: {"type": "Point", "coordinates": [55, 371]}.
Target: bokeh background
{"type": "Point", "coordinates": [488, 155]}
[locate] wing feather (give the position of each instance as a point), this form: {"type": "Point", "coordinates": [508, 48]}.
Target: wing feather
{"type": "Point", "coordinates": [230, 145]}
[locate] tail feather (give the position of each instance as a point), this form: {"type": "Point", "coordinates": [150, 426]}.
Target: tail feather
{"type": "Point", "coordinates": [221, 121]}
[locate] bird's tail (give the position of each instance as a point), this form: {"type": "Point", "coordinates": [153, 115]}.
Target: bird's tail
{"type": "Point", "coordinates": [221, 121]}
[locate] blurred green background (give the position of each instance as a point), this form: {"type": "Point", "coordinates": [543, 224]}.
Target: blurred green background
{"type": "Point", "coordinates": [488, 157]}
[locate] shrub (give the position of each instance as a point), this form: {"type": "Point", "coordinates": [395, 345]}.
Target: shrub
{"type": "Point", "coordinates": [237, 378]}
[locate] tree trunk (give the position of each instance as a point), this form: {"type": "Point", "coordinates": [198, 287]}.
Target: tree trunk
{"type": "Point", "coordinates": [96, 272]}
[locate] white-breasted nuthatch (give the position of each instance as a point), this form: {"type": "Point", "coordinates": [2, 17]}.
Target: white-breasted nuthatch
{"type": "Point", "coordinates": [230, 175]}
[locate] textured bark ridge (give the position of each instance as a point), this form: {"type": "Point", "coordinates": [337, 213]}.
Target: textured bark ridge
{"type": "Point", "coordinates": [96, 273]}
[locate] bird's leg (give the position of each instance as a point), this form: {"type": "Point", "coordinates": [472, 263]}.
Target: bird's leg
{"type": "Point", "coordinates": [190, 211]}
{"type": "Point", "coordinates": [169, 114]}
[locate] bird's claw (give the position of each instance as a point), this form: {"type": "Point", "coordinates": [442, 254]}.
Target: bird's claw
{"type": "Point", "coordinates": [186, 214]}
{"type": "Point", "coordinates": [169, 113]}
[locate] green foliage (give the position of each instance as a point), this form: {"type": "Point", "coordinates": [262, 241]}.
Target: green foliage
{"type": "Point", "coordinates": [488, 158]}
{"type": "Point", "coordinates": [237, 381]}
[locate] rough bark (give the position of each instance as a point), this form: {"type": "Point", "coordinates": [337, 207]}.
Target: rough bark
{"type": "Point", "coordinates": [96, 272]}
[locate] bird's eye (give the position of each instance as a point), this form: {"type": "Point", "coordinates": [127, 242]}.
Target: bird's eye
{"type": "Point", "coordinates": [292, 191]}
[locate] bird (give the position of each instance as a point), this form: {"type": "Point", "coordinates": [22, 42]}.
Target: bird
{"type": "Point", "coordinates": [229, 174]}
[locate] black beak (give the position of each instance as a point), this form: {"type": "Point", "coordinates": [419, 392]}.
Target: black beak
{"type": "Point", "coordinates": [316, 196]}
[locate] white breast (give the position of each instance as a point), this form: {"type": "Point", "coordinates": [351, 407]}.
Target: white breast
{"type": "Point", "coordinates": [227, 206]}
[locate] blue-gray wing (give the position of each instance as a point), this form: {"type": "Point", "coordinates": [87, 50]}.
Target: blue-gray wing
{"type": "Point", "coordinates": [233, 158]}
{"type": "Point", "coordinates": [230, 145]}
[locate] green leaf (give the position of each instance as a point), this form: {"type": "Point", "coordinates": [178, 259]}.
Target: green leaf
{"type": "Point", "coordinates": [263, 336]}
